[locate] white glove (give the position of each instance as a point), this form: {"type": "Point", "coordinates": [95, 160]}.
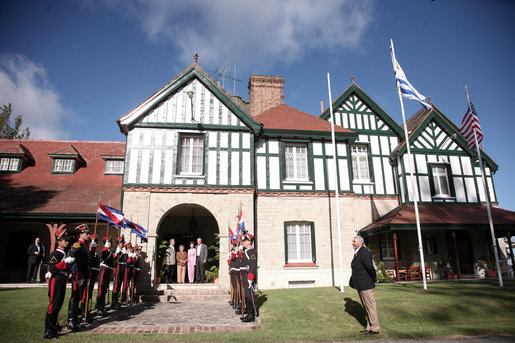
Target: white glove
{"type": "Point", "coordinates": [240, 248]}
{"type": "Point", "coordinates": [93, 244]}
{"type": "Point", "coordinates": [80, 282]}
{"type": "Point", "coordinates": [69, 260]}
{"type": "Point", "coordinates": [250, 283]}
{"type": "Point", "coordinates": [117, 250]}
{"type": "Point", "coordinates": [107, 245]}
{"type": "Point", "coordinates": [48, 275]}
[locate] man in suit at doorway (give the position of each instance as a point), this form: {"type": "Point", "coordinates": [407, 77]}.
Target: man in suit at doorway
{"type": "Point", "coordinates": [363, 280]}
{"type": "Point", "coordinates": [35, 252]}
{"type": "Point", "coordinates": [200, 268]}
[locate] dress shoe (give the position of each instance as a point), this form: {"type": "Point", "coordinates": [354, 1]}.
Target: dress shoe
{"type": "Point", "coordinates": [238, 311]}
{"type": "Point", "coordinates": [363, 331]}
{"type": "Point", "coordinates": [372, 332]}
{"type": "Point", "coordinates": [248, 318]}
{"type": "Point", "coordinates": [49, 334]}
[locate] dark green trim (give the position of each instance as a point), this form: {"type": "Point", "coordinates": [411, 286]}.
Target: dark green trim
{"type": "Point", "coordinates": [192, 72]}
{"type": "Point", "coordinates": [74, 164]}
{"type": "Point", "coordinates": [70, 216]}
{"type": "Point", "coordinates": [358, 92]}
{"type": "Point", "coordinates": [203, 177]}
{"type": "Point", "coordinates": [186, 126]}
{"type": "Point", "coordinates": [20, 159]}
{"type": "Point", "coordinates": [351, 136]}
{"type": "Point", "coordinates": [313, 244]}
{"type": "Point", "coordinates": [285, 225]}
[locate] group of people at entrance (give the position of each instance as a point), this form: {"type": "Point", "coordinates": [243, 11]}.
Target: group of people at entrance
{"type": "Point", "coordinates": [179, 261]}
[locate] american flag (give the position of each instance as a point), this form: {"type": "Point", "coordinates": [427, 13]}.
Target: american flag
{"type": "Point", "coordinates": [469, 124]}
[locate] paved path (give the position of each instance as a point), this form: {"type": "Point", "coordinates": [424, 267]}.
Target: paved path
{"type": "Point", "coordinates": [171, 318]}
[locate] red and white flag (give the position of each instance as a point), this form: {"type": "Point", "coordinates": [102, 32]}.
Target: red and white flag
{"type": "Point", "coordinates": [469, 125]}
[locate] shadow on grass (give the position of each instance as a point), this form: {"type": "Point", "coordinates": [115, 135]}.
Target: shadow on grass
{"type": "Point", "coordinates": [355, 309]}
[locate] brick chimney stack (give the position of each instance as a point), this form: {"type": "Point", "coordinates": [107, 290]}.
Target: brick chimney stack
{"type": "Point", "coordinates": [265, 92]}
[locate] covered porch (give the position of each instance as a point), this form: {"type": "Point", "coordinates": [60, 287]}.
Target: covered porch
{"type": "Point", "coordinates": [454, 238]}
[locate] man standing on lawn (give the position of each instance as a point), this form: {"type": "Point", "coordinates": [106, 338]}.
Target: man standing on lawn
{"type": "Point", "coordinates": [363, 280]}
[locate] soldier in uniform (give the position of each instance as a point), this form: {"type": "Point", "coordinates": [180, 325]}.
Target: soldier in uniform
{"type": "Point", "coordinates": [232, 273]}
{"type": "Point", "coordinates": [127, 258]}
{"type": "Point", "coordinates": [240, 308]}
{"type": "Point", "coordinates": [249, 277]}
{"type": "Point", "coordinates": [58, 268]}
{"type": "Point", "coordinates": [120, 265]}
{"type": "Point", "coordinates": [94, 266]}
{"type": "Point", "coordinates": [138, 266]}
{"type": "Point", "coordinates": [80, 271]}
{"type": "Point", "coordinates": [106, 272]}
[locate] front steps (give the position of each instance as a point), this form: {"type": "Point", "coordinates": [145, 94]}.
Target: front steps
{"type": "Point", "coordinates": [192, 293]}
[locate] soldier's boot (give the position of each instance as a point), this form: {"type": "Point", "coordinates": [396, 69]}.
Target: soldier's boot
{"type": "Point", "coordinates": [73, 323]}
{"type": "Point", "coordinates": [250, 313]}
{"type": "Point", "coordinates": [49, 334]}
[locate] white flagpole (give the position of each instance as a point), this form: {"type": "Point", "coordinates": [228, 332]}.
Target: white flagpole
{"type": "Point", "coordinates": [414, 188]}
{"type": "Point", "coordinates": [336, 183]}
{"type": "Point", "coordinates": [487, 197]}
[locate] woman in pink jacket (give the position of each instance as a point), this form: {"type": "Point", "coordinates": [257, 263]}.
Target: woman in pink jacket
{"type": "Point", "coordinates": [192, 259]}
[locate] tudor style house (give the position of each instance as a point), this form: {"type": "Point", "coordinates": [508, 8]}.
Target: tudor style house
{"type": "Point", "coordinates": [195, 156]}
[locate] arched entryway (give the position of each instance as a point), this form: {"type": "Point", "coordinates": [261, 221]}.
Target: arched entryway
{"type": "Point", "coordinates": [185, 223]}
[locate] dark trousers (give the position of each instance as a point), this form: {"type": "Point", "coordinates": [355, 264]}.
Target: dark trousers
{"type": "Point", "coordinates": [56, 293]}
{"type": "Point", "coordinates": [171, 273]}
{"type": "Point", "coordinates": [127, 283]}
{"type": "Point", "coordinates": [118, 282]}
{"type": "Point", "coordinates": [75, 299]}
{"type": "Point", "coordinates": [32, 271]}
{"type": "Point", "coordinates": [103, 287]}
{"type": "Point", "coordinates": [200, 270]}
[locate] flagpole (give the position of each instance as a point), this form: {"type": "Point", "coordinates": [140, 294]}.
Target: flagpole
{"type": "Point", "coordinates": [487, 197]}
{"type": "Point", "coordinates": [414, 187]}
{"type": "Point", "coordinates": [336, 184]}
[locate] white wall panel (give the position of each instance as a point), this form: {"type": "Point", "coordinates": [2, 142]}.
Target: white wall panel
{"type": "Point", "coordinates": [273, 146]}
{"type": "Point", "coordinates": [330, 173]}
{"type": "Point", "coordinates": [467, 166]}
{"type": "Point", "coordinates": [459, 188]}
{"type": "Point", "coordinates": [245, 140]}
{"type": "Point", "coordinates": [470, 186]}
{"type": "Point", "coordinates": [212, 139]}
{"type": "Point", "coordinates": [274, 173]}
{"type": "Point", "coordinates": [378, 175]}
{"type": "Point", "coordinates": [224, 139]}
{"type": "Point", "coordinates": [490, 189]}
{"type": "Point", "coordinates": [385, 146]}
{"type": "Point", "coordinates": [455, 165]}
{"type": "Point", "coordinates": [374, 145]}
{"type": "Point", "coordinates": [425, 190]}
{"type": "Point", "coordinates": [344, 175]}
{"type": "Point", "coordinates": [211, 169]}
{"type": "Point", "coordinates": [144, 167]}
{"type": "Point", "coordinates": [388, 177]}
{"type": "Point", "coordinates": [421, 164]}
{"type": "Point", "coordinates": [261, 172]}
{"type": "Point", "coordinates": [156, 167]}
{"type": "Point", "coordinates": [224, 163]}
{"type": "Point", "coordinates": [235, 168]}
{"type": "Point", "coordinates": [481, 189]}
{"type": "Point", "coordinates": [245, 169]}
{"type": "Point", "coordinates": [318, 164]}
{"type": "Point", "coordinates": [317, 148]}
{"type": "Point", "coordinates": [133, 166]}
{"type": "Point", "coordinates": [235, 140]}
{"type": "Point", "coordinates": [169, 164]}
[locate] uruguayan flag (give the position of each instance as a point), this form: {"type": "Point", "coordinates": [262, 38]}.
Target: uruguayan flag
{"type": "Point", "coordinates": [407, 90]}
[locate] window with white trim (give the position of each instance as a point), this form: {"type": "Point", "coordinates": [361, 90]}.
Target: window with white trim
{"type": "Point", "coordinates": [441, 181]}
{"type": "Point", "coordinates": [300, 242]}
{"type": "Point", "coordinates": [62, 165]}
{"type": "Point", "coordinates": [191, 158]}
{"type": "Point", "coordinates": [296, 162]}
{"type": "Point", "coordinates": [387, 248]}
{"type": "Point", "coordinates": [114, 167]}
{"type": "Point", "coordinates": [9, 164]}
{"type": "Point", "coordinates": [360, 167]}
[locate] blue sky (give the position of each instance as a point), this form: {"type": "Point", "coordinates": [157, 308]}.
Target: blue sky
{"type": "Point", "coordinates": [73, 67]}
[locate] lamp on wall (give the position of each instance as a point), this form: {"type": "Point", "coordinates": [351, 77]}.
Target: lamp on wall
{"type": "Point", "coordinates": [190, 95]}
{"type": "Point", "coordinates": [193, 223]}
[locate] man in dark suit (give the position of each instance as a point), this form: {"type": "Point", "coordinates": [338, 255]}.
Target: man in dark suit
{"type": "Point", "coordinates": [363, 280]}
{"type": "Point", "coordinates": [200, 268]}
{"type": "Point", "coordinates": [35, 252]}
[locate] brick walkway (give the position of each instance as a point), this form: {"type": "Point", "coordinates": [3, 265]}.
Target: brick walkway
{"type": "Point", "coordinates": [175, 318]}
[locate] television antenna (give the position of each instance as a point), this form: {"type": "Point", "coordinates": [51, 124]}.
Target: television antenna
{"type": "Point", "coordinates": [223, 72]}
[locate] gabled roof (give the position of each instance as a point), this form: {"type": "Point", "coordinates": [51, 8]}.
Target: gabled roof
{"type": "Point", "coordinates": [356, 90]}
{"type": "Point", "coordinates": [35, 190]}
{"type": "Point", "coordinates": [127, 121]}
{"type": "Point", "coordinates": [418, 122]}
{"type": "Point", "coordinates": [286, 120]}
{"type": "Point", "coordinates": [446, 217]}
{"type": "Point", "coordinates": [17, 149]}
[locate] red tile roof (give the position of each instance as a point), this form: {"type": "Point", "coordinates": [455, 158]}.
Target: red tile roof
{"type": "Point", "coordinates": [284, 117]}
{"type": "Point", "coordinates": [438, 215]}
{"type": "Point", "coordinates": [67, 150]}
{"type": "Point", "coordinates": [36, 190]}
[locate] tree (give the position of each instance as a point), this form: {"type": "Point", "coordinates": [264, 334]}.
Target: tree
{"type": "Point", "coordinates": [6, 131]}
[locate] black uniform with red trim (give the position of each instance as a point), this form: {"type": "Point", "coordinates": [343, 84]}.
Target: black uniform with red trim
{"type": "Point", "coordinates": [80, 271]}
{"type": "Point", "coordinates": [129, 271]}
{"type": "Point", "coordinates": [249, 278]}
{"type": "Point", "coordinates": [106, 272]}
{"type": "Point", "coordinates": [138, 267]}
{"type": "Point", "coordinates": [233, 275]}
{"type": "Point", "coordinates": [119, 276]}
{"type": "Point", "coordinates": [93, 268]}
{"type": "Point", "coordinates": [56, 290]}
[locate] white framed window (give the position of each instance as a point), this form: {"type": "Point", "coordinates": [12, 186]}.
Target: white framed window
{"type": "Point", "coordinates": [9, 164]}
{"type": "Point", "coordinates": [62, 165]}
{"type": "Point", "coordinates": [387, 247]}
{"type": "Point", "coordinates": [441, 181]}
{"type": "Point", "coordinates": [300, 242]}
{"type": "Point", "coordinates": [114, 167]}
{"type": "Point", "coordinates": [360, 167]}
{"type": "Point", "coordinates": [296, 162]}
{"type": "Point", "coordinates": [191, 160]}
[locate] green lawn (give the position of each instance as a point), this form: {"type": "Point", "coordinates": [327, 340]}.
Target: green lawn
{"type": "Point", "coordinates": [321, 314]}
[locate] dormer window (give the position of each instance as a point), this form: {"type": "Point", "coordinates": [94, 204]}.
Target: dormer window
{"type": "Point", "coordinates": [360, 165]}
{"type": "Point", "coordinates": [10, 164]}
{"type": "Point", "coordinates": [296, 162]}
{"type": "Point", "coordinates": [114, 167]}
{"type": "Point", "coordinates": [64, 166]}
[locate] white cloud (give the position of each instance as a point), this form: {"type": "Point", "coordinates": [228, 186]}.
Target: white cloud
{"type": "Point", "coordinates": [24, 84]}
{"type": "Point", "coordinates": [253, 33]}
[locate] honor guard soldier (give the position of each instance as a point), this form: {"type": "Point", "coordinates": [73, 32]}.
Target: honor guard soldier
{"type": "Point", "coordinates": [138, 267]}
{"type": "Point", "coordinates": [120, 265]}
{"type": "Point", "coordinates": [94, 266]}
{"type": "Point", "coordinates": [58, 268]}
{"type": "Point", "coordinates": [80, 271]}
{"type": "Point", "coordinates": [232, 275]}
{"type": "Point", "coordinates": [240, 308]}
{"type": "Point", "coordinates": [106, 272]}
{"type": "Point", "coordinates": [127, 258]}
{"type": "Point", "coordinates": [249, 277]}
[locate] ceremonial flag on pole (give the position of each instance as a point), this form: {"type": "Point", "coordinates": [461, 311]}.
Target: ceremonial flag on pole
{"type": "Point", "coordinates": [111, 215]}
{"type": "Point", "coordinates": [241, 225]}
{"type": "Point", "coordinates": [137, 229]}
{"type": "Point", "coordinates": [469, 124]}
{"type": "Point", "coordinates": [407, 90]}
{"type": "Point", "coordinates": [233, 236]}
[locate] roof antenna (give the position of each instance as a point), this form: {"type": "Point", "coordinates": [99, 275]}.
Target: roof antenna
{"type": "Point", "coordinates": [195, 57]}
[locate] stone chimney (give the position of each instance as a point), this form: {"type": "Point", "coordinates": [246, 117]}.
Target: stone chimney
{"type": "Point", "coordinates": [265, 92]}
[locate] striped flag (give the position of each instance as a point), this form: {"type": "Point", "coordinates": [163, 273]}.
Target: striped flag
{"type": "Point", "coordinates": [111, 215]}
{"type": "Point", "coordinates": [241, 225]}
{"type": "Point", "coordinates": [137, 229]}
{"type": "Point", "coordinates": [233, 236]}
{"type": "Point", "coordinates": [469, 124]}
{"type": "Point", "coordinates": [407, 90]}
